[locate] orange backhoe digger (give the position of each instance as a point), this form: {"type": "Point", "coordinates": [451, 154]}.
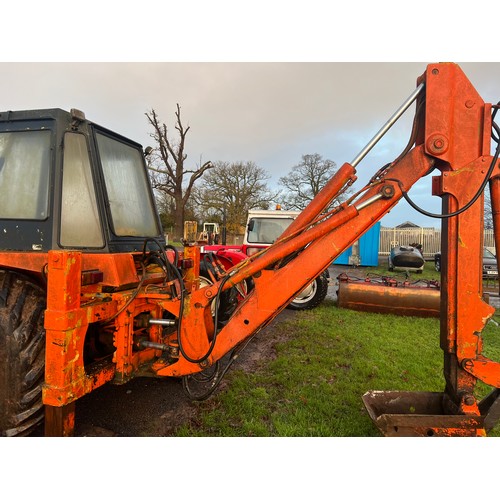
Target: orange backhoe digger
{"type": "Point", "coordinates": [90, 293]}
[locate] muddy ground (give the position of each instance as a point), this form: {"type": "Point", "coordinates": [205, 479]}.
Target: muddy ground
{"type": "Point", "coordinates": [155, 407]}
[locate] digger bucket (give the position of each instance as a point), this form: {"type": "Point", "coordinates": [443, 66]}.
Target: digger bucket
{"type": "Point", "coordinates": [406, 414]}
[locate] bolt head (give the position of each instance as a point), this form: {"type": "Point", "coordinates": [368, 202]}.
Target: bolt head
{"type": "Point", "coordinates": [469, 400]}
{"type": "Point", "coordinates": [437, 144]}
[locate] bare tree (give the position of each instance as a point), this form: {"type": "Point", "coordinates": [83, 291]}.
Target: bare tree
{"type": "Point", "coordinates": [231, 189]}
{"type": "Point", "coordinates": [306, 179]}
{"type": "Point", "coordinates": [168, 173]}
{"type": "Point", "coordinates": [488, 212]}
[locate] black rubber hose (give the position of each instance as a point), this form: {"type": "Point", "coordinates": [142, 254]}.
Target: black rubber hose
{"type": "Point", "coordinates": [468, 204]}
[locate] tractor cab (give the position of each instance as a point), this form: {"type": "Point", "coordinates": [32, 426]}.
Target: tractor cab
{"type": "Point", "coordinates": [67, 183]}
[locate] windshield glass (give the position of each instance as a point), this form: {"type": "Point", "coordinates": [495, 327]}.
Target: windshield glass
{"type": "Point", "coordinates": [24, 174]}
{"type": "Point", "coordinates": [487, 254]}
{"type": "Point", "coordinates": [127, 187]}
{"type": "Point", "coordinates": [266, 231]}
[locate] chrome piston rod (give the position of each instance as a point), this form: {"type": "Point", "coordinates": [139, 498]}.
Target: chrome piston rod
{"type": "Point", "coordinates": [163, 322]}
{"type": "Point", "coordinates": [392, 120]}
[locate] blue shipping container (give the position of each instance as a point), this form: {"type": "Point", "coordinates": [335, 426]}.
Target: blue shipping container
{"type": "Point", "coordinates": [368, 249]}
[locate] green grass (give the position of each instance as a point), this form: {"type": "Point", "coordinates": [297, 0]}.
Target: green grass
{"type": "Point", "coordinates": [428, 273]}
{"type": "Point", "coordinates": [326, 360]}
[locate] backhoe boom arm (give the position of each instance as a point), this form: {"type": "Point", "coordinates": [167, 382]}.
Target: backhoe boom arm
{"type": "Point", "coordinates": [157, 314]}
{"type": "Point", "coordinates": [451, 136]}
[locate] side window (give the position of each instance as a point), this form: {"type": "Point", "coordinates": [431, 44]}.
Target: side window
{"type": "Point", "coordinates": [24, 174]}
{"type": "Point", "coordinates": [80, 224]}
{"type": "Point", "coordinates": [127, 186]}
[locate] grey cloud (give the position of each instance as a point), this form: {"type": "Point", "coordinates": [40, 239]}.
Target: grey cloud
{"type": "Point", "coordinates": [270, 113]}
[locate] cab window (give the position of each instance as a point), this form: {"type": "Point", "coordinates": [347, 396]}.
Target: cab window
{"type": "Point", "coordinates": [24, 174]}
{"type": "Point", "coordinates": [127, 188]}
{"type": "Point", "coordinates": [80, 222]}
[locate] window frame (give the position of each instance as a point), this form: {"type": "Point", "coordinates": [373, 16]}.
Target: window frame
{"type": "Point", "coordinates": [152, 204]}
{"type": "Point", "coordinates": [95, 181]}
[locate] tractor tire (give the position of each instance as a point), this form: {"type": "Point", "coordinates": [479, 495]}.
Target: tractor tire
{"type": "Point", "coordinates": [22, 354]}
{"type": "Point", "coordinates": [437, 264]}
{"type": "Point", "coordinates": [229, 299]}
{"type": "Point", "coordinates": [390, 267]}
{"type": "Point", "coordinates": [313, 295]}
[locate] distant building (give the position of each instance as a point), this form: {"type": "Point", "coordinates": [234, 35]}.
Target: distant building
{"type": "Point", "coordinates": [407, 225]}
{"type": "Point", "coordinates": [409, 233]}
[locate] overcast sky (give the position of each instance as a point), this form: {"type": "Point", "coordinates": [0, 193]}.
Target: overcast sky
{"type": "Point", "coordinates": [270, 112]}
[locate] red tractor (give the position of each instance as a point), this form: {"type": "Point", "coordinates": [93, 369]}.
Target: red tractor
{"type": "Point", "coordinates": [263, 228]}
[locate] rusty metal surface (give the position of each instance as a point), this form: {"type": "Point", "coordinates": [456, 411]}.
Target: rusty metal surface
{"type": "Point", "coordinates": [490, 407]}
{"type": "Point", "coordinates": [418, 414]}
{"type": "Point", "coordinates": [381, 297]}
{"type": "Point", "coordinates": [60, 421]}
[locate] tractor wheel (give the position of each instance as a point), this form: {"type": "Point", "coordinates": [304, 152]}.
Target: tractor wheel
{"type": "Point", "coordinates": [437, 264]}
{"type": "Point", "coordinates": [313, 295]}
{"type": "Point", "coordinates": [22, 354]}
{"type": "Point", "coordinates": [229, 299]}
{"type": "Point", "coordinates": [390, 266]}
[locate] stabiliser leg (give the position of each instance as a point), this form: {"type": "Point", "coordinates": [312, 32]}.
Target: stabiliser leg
{"type": "Point", "coordinates": [455, 412]}
{"type": "Point", "coordinates": [60, 420]}
{"type": "Point", "coordinates": [457, 134]}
